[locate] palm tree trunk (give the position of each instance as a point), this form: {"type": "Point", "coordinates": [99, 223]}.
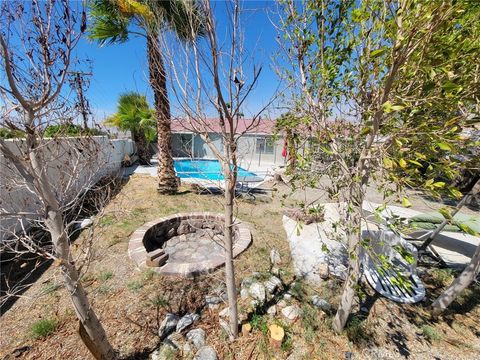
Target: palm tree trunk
{"type": "Point", "coordinates": [167, 180]}
{"type": "Point", "coordinates": [142, 147]}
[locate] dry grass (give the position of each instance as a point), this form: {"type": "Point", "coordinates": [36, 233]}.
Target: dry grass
{"type": "Point", "coordinates": [131, 303]}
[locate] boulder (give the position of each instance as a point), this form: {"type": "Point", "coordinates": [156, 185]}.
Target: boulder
{"type": "Point", "coordinates": [164, 352]}
{"type": "Point", "coordinates": [275, 258]}
{"type": "Point", "coordinates": [272, 284]}
{"type": "Point", "coordinates": [272, 310]}
{"type": "Point", "coordinates": [291, 312]}
{"type": "Point", "coordinates": [168, 325]}
{"type": "Point", "coordinates": [257, 291]}
{"type": "Point", "coordinates": [206, 353]}
{"type": "Point", "coordinates": [186, 321]}
{"type": "Point", "coordinates": [196, 337]}
{"type": "Point", "coordinates": [320, 303]}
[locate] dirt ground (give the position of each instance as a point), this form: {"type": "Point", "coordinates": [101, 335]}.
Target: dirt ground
{"type": "Point", "coordinates": [131, 304]}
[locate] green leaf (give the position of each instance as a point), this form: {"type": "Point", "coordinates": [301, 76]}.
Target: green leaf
{"type": "Point", "coordinates": [376, 53]}
{"type": "Point", "coordinates": [439, 184]}
{"type": "Point", "coordinates": [415, 162]}
{"type": "Point", "coordinates": [402, 163]}
{"type": "Point", "coordinates": [445, 213]}
{"type": "Point", "coordinates": [406, 202]}
{"type": "Point", "coordinates": [388, 163]}
{"type": "Point", "coordinates": [444, 146]}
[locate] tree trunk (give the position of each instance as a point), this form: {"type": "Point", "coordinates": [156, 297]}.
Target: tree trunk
{"type": "Point", "coordinates": [167, 180]}
{"type": "Point", "coordinates": [55, 224]}
{"type": "Point", "coordinates": [143, 150]}
{"type": "Point", "coordinates": [229, 268]}
{"type": "Point", "coordinates": [354, 235]}
{"type": "Point", "coordinates": [458, 285]}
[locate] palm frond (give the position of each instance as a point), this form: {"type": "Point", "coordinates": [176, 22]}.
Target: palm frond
{"type": "Point", "coordinates": [186, 18]}
{"type": "Point", "coordinates": [108, 24]}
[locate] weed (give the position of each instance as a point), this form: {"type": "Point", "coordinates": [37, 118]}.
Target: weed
{"type": "Point", "coordinates": [259, 322]}
{"type": "Point", "coordinates": [135, 285]}
{"type": "Point", "coordinates": [42, 328]}
{"type": "Point", "coordinates": [287, 343]}
{"type": "Point", "coordinates": [356, 329]}
{"type": "Point", "coordinates": [441, 277]}
{"type": "Point", "coordinates": [106, 220]}
{"type": "Point", "coordinates": [105, 275]}
{"type": "Point", "coordinates": [50, 288]}
{"type": "Point", "coordinates": [310, 323]}
{"type": "Point", "coordinates": [430, 333]}
{"type": "Point", "coordinates": [104, 289]}
{"type": "Point", "coordinates": [138, 211]}
{"type": "Point", "coordinates": [160, 301]}
{"type": "Point", "coordinates": [148, 274]}
{"type": "Point", "coordinates": [116, 240]}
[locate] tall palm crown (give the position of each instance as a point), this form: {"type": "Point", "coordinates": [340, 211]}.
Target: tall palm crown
{"type": "Point", "coordinates": [113, 21]}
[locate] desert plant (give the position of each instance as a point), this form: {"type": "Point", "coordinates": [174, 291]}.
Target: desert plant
{"type": "Point", "coordinates": [134, 115]}
{"type": "Point", "coordinates": [42, 328]}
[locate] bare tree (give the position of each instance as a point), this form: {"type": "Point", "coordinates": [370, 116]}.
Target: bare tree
{"type": "Point", "coordinates": [46, 176]}
{"type": "Point", "coordinates": [211, 78]}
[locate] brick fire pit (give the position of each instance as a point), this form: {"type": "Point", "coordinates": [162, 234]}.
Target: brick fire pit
{"type": "Point", "coordinates": [185, 244]}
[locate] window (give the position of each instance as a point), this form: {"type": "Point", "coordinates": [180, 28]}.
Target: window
{"type": "Point", "coordinates": [264, 145]}
{"type": "Point", "coordinates": [186, 144]}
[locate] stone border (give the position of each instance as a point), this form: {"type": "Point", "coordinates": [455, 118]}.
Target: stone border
{"type": "Point", "coordinates": [138, 253]}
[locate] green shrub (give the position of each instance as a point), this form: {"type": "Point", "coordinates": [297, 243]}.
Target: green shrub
{"type": "Point", "coordinates": [105, 275]}
{"type": "Point", "coordinates": [42, 328]}
{"type": "Point", "coordinates": [11, 134]}
{"type": "Point", "coordinates": [430, 333]}
{"type": "Point", "coordinates": [70, 130]}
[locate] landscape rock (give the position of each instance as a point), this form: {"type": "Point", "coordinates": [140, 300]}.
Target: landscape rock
{"type": "Point", "coordinates": [323, 271]}
{"type": "Point", "coordinates": [244, 293]}
{"type": "Point", "coordinates": [225, 325]}
{"type": "Point", "coordinates": [186, 321]}
{"type": "Point", "coordinates": [196, 337]}
{"type": "Point", "coordinates": [86, 223]}
{"type": "Point", "coordinates": [275, 258]}
{"type": "Point", "coordinates": [257, 291]}
{"type": "Point", "coordinates": [272, 284]}
{"type": "Point", "coordinates": [282, 303]}
{"type": "Point", "coordinates": [291, 312]}
{"type": "Point", "coordinates": [224, 312]}
{"type": "Point", "coordinates": [320, 303]}
{"type": "Point", "coordinates": [187, 349]}
{"type": "Point", "coordinates": [175, 340]}
{"type": "Point", "coordinates": [206, 353]}
{"type": "Point", "coordinates": [272, 310]}
{"type": "Point", "coordinates": [213, 301]}
{"type": "Point", "coordinates": [164, 352]}
{"type": "Point", "coordinates": [168, 325]}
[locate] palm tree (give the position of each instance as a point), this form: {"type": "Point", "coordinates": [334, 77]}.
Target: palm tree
{"type": "Point", "coordinates": [113, 21]}
{"type": "Point", "coordinates": [134, 115]}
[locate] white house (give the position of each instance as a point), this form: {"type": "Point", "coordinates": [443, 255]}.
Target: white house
{"type": "Point", "coordinates": [258, 146]}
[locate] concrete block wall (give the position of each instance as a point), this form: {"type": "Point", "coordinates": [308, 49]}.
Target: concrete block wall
{"type": "Point", "coordinates": [73, 164]}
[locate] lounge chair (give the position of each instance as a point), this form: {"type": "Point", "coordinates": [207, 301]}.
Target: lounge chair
{"type": "Point", "coordinates": [389, 266]}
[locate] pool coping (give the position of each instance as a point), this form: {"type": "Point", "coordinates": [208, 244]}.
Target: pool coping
{"type": "Point", "coordinates": [138, 253]}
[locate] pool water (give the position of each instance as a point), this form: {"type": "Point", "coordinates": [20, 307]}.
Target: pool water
{"type": "Point", "coordinates": [208, 170]}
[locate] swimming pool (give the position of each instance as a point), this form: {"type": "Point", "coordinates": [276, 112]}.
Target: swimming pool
{"type": "Point", "coordinates": [208, 170]}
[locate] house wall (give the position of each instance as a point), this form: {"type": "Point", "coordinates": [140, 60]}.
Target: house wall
{"type": "Point", "coordinates": [73, 164]}
{"type": "Point", "coordinates": [248, 156]}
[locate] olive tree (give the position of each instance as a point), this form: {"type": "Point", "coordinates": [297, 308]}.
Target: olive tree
{"type": "Point", "coordinates": [401, 80]}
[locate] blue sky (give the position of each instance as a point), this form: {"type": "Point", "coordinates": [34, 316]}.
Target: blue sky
{"type": "Point", "coordinates": [123, 67]}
